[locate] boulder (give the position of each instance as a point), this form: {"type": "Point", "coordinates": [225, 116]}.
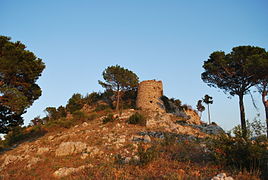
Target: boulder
{"type": "Point", "coordinates": [69, 148]}
{"type": "Point", "coordinates": [62, 172]}
{"type": "Point", "coordinates": [222, 176]}
{"type": "Point", "coordinates": [42, 150]}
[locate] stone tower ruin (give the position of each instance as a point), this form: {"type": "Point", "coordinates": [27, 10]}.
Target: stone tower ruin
{"type": "Point", "coordinates": [149, 96]}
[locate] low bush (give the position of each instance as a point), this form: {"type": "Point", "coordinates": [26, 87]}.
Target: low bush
{"type": "Point", "coordinates": [79, 116]}
{"type": "Point", "coordinates": [92, 116]}
{"type": "Point", "coordinates": [137, 118]}
{"type": "Point", "coordinates": [20, 134]}
{"type": "Point", "coordinates": [147, 154]}
{"type": "Point", "coordinates": [184, 150]}
{"type": "Point", "coordinates": [62, 122]}
{"type": "Point", "coordinates": [239, 152]}
{"type": "Point", "coordinates": [108, 118]}
{"type": "Point", "coordinates": [102, 107]}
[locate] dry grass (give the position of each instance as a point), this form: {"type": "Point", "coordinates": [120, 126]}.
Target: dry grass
{"type": "Point", "coordinates": [172, 160]}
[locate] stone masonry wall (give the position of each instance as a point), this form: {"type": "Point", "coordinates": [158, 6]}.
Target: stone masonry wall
{"type": "Point", "coordinates": [149, 94]}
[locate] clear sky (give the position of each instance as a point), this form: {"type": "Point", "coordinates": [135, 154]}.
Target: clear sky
{"type": "Point", "coordinates": [166, 40]}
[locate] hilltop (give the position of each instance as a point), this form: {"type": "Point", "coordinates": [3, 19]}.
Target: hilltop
{"type": "Point", "coordinates": [106, 151]}
{"type": "Point", "coordinates": [160, 139]}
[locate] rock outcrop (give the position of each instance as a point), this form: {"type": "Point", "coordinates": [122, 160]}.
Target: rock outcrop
{"type": "Point", "coordinates": [69, 148]}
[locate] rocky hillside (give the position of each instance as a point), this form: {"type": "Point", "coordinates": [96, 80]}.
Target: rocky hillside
{"type": "Point", "coordinates": [164, 148]}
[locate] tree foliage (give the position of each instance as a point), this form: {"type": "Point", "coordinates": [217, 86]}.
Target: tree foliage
{"type": "Point", "coordinates": [19, 71]}
{"type": "Point", "coordinates": [75, 103]}
{"type": "Point", "coordinates": [208, 100]}
{"type": "Point", "coordinates": [119, 80]}
{"type": "Point", "coordinates": [234, 72]}
{"type": "Point", "coordinates": [263, 90]}
{"type": "Point", "coordinates": [200, 107]}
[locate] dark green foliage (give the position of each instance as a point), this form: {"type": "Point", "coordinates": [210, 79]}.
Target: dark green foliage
{"type": "Point", "coordinates": [108, 118]}
{"type": "Point", "coordinates": [20, 134]}
{"type": "Point", "coordinates": [239, 152]}
{"type": "Point", "coordinates": [235, 72]}
{"type": "Point", "coordinates": [19, 71]}
{"type": "Point", "coordinates": [55, 113]}
{"type": "Point", "coordinates": [92, 116]}
{"type": "Point", "coordinates": [171, 105]}
{"type": "Point", "coordinates": [147, 155]}
{"type": "Point", "coordinates": [183, 150]}
{"type": "Point", "coordinates": [208, 99]}
{"type": "Point", "coordinates": [79, 116]}
{"type": "Point", "coordinates": [242, 151]}
{"type": "Point", "coordinates": [61, 112]}
{"type": "Point", "coordinates": [51, 113]}
{"type": "Point", "coordinates": [129, 99]}
{"type": "Point", "coordinates": [200, 107]}
{"type": "Point", "coordinates": [75, 103]}
{"type": "Point", "coordinates": [176, 102]}
{"type": "Point", "coordinates": [37, 121]}
{"type": "Point", "coordinates": [168, 107]}
{"type": "Point", "coordinates": [9, 119]}
{"type": "Point", "coordinates": [62, 122]}
{"type": "Point", "coordinates": [102, 107]}
{"type": "Point", "coordinates": [119, 80]}
{"type": "Point", "coordinates": [137, 118]}
{"type": "Point", "coordinates": [92, 98]}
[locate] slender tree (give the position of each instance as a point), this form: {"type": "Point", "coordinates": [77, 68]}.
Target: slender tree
{"type": "Point", "coordinates": [19, 71]}
{"type": "Point", "coordinates": [200, 107]}
{"type": "Point", "coordinates": [263, 90]}
{"type": "Point", "coordinates": [260, 68]}
{"type": "Point", "coordinates": [75, 103]}
{"type": "Point", "coordinates": [119, 80]}
{"type": "Point", "coordinates": [208, 100]}
{"type": "Point", "coordinates": [234, 73]}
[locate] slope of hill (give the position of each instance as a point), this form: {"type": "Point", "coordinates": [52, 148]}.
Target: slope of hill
{"type": "Point", "coordinates": [163, 149]}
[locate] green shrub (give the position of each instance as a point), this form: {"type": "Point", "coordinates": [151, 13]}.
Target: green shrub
{"type": "Point", "coordinates": [108, 118]}
{"type": "Point", "coordinates": [92, 116]}
{"type": "Point", "coordinates": [137, 118]}
{"type": "Point", "coordinates": [79, 116]}
{"type": "Point", "coordinates": [92, 98]}
{"type": "Point", "coordinates": [147, 155]}
{"type": "Point", "coordinates": [19, 134]}
{"type": "Point", "coordinates": [239, 152]}
{"type": "Point", "coordinates": [102, 107]}
{"type": "Point", "coordinates": [62, 122]}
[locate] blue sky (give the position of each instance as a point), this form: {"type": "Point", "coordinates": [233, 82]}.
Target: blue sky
{"type": "Point", "coordinates": [164, 40]}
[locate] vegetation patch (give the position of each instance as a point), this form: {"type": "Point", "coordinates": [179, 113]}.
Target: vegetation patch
{"type": "Point", "coordinates": [137, 118]}
{"type": "Point", "coordinates": [108, 118]}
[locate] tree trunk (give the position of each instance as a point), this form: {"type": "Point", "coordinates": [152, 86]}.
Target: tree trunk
{"type": "Point", "coordinates": [208, 115]}
{"type": "Point", "coordinates": [265, 103]}
{"type": "Point", "coordinates": [266, 111]}
{"type": "Point", "coordinates": [118, 98]}
{"type": "Point", "coordinates": [242, 116]}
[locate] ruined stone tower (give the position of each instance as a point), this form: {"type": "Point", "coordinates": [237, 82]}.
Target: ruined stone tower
{"type": "Point", "coordinates": [149, 94]}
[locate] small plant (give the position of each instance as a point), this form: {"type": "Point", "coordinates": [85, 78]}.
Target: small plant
{"type": "Point", "coordinates": [92, 116]}
{"type": "Point", "coordinates": [108, 118]}
{"type": "Point", "coordinates": [147, 154]}
{"type": "Point", "coordinates": [62, 122]}
{"type": "Point", "coordinates": [238, 151]}
{"type": "Point", "coordinates": [137, 118]}
{"type": "Point", "coordinates": [101, 107]}
{"type": "Point", "coordinates": [79, 116]}
{"type": "Point", "coordinates": [19, 134]}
